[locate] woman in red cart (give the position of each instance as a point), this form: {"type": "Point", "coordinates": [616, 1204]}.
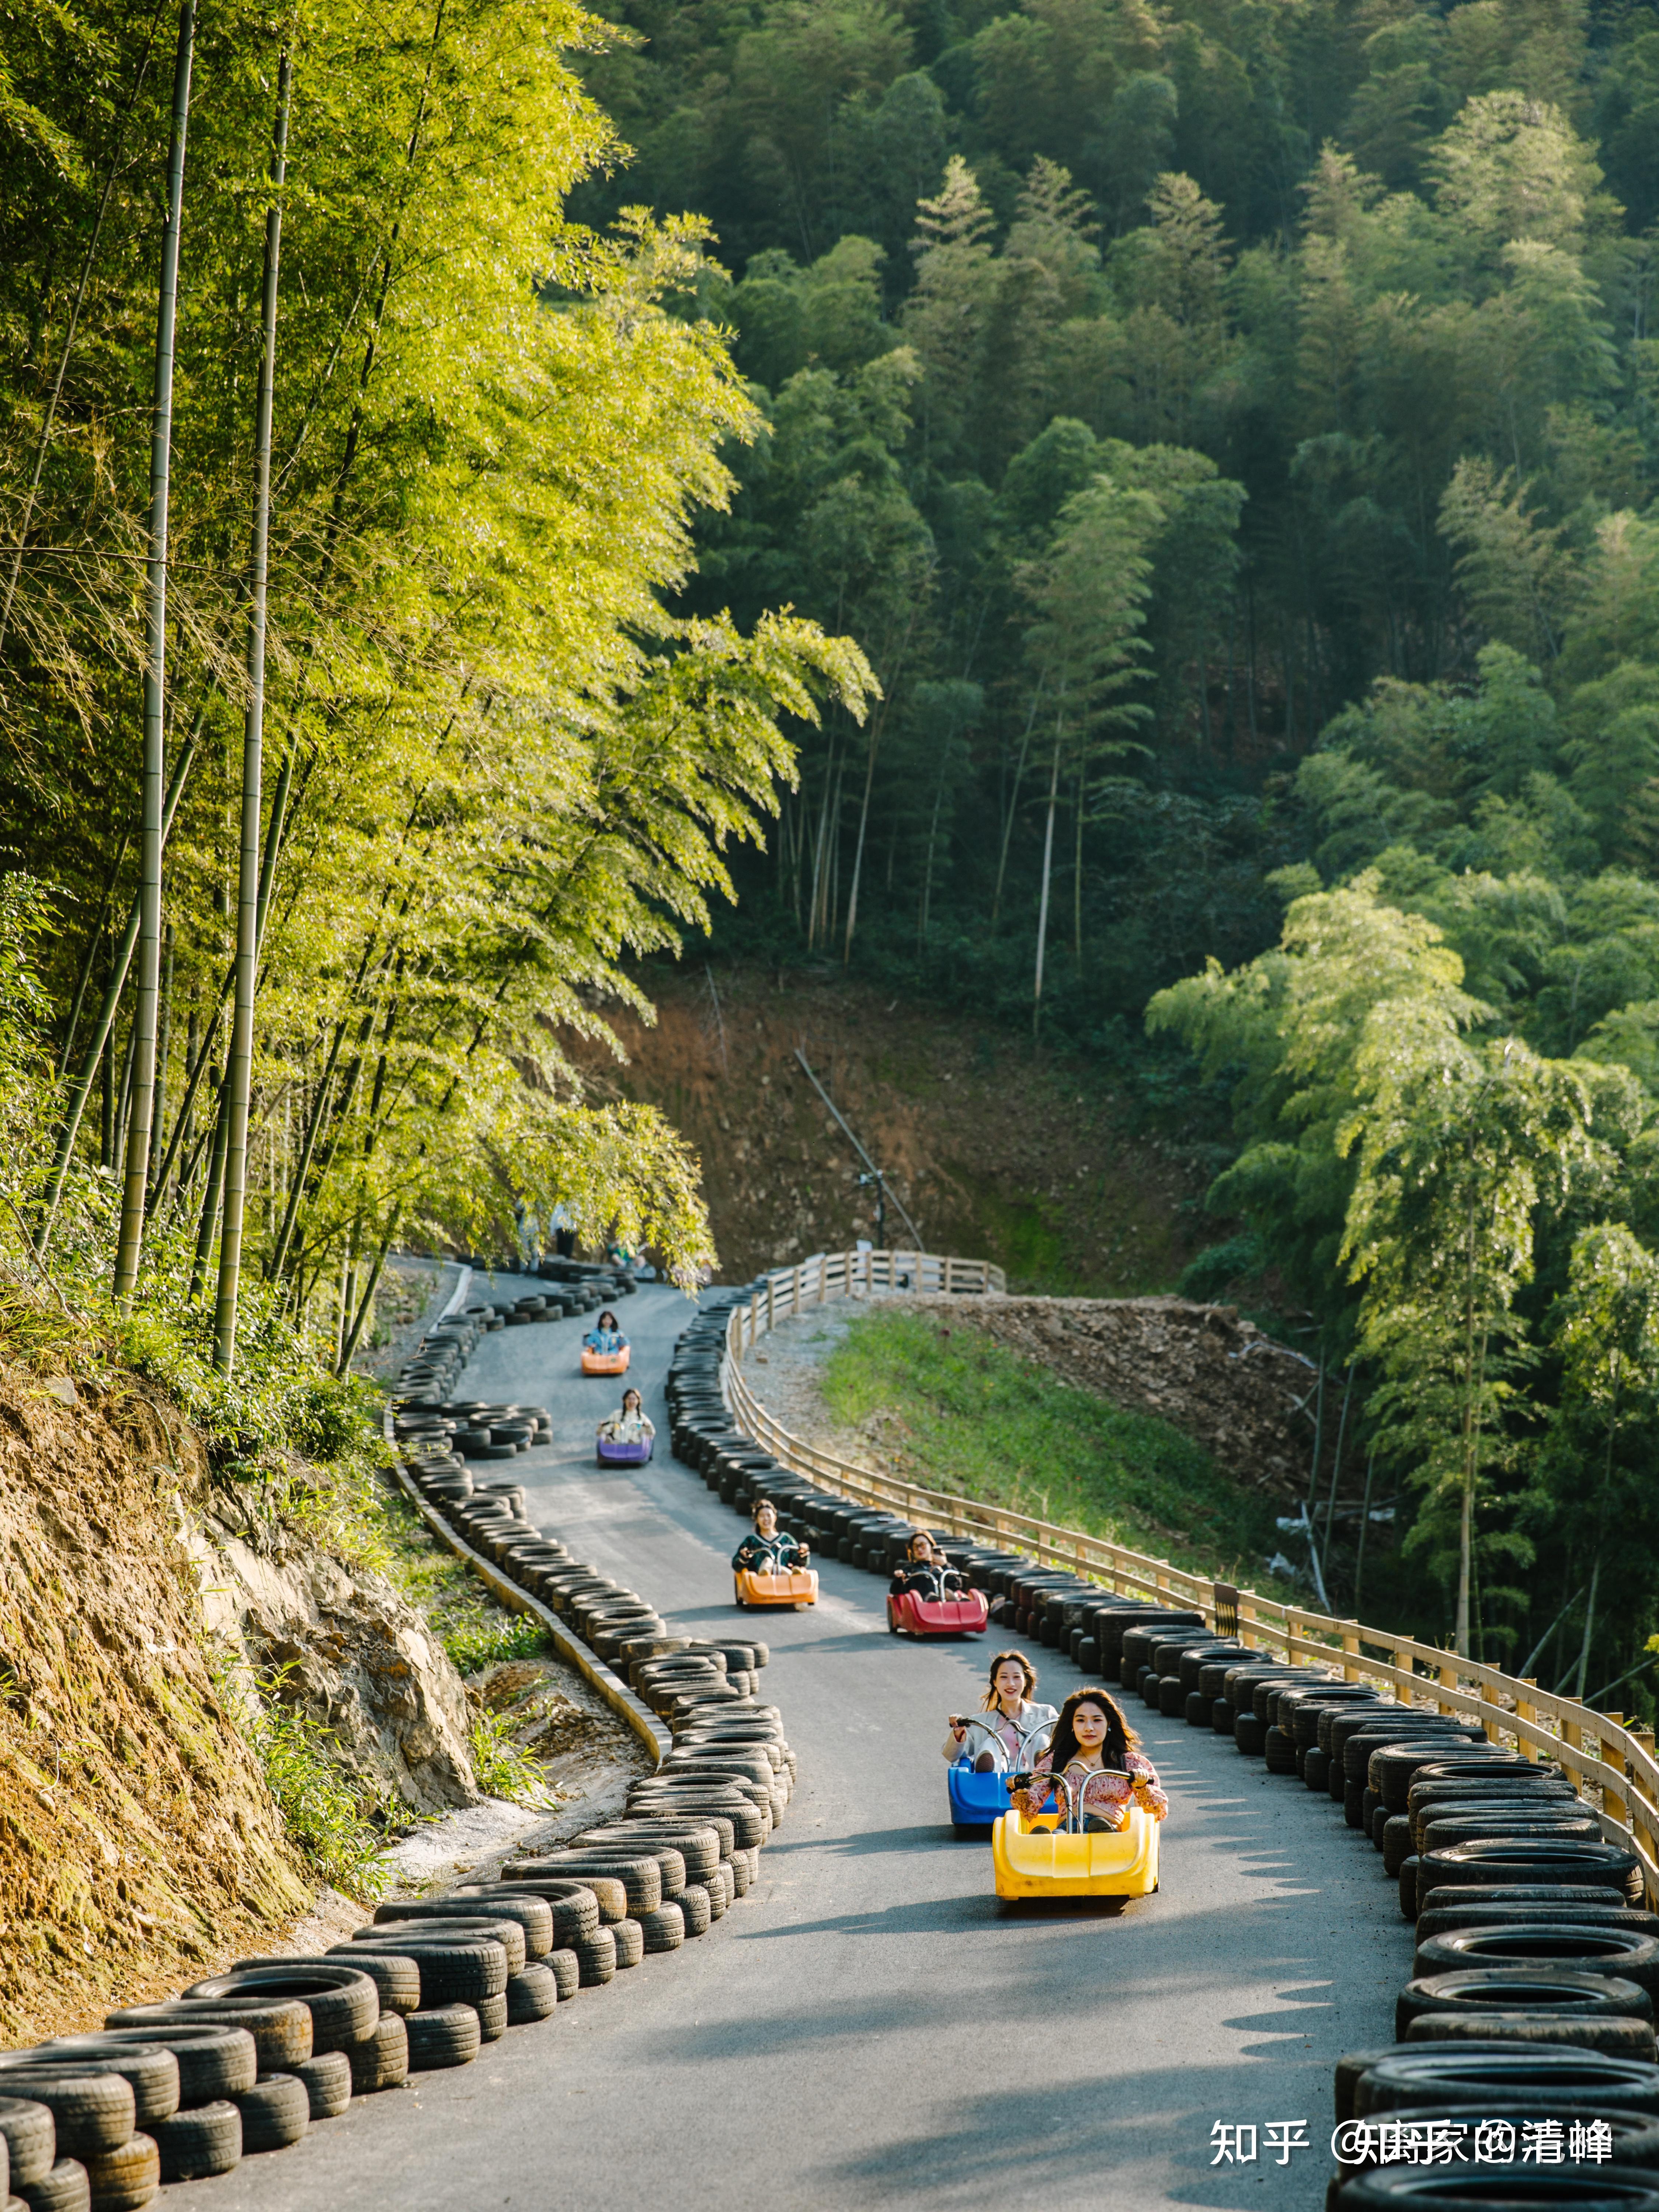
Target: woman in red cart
{"type": "Point", "coordinates": [1099, 1755]}
{"type": "Point", "coordinates": [924, 1569]}
{"type": "Point", "coordinates": [1013, 1727]}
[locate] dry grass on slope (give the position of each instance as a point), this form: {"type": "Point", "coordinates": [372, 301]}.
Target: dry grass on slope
{"type": "Point", "coordinates": [138, 1840]}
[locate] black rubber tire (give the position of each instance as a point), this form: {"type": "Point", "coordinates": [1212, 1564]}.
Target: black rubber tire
{"type": "Point", "coordinates": [276, 2112]}
{"type": "Point", "coordinates": [343, 2011]}
{"type": "Point", "coordinates": [90, 2112]}
{"type": "Point", "coordinates": [596, 1957]}
{"type": "Point", "coordinates": [1586, 1949]}
{"type": "Point", "coordinates": [125, 2180]}
{"type": "Point", "coordinates": [1440, 2188]}
{"type": "Point", "coordinates": [212, 2061]}
{"type": "Point", "coordinates": [574, 1908]}
{"type": "Point", "coordinates": [492, 2017]}
{"type": "Point", "coordinates": [533, 1915]}
{"type": "Point", "coordinates": [1616, 2038]}
{"type": "Point", "coordinates": [203, 2139]}
{"type": "Point", "coordinates": [281, 2029]}
{"type": "Point", "coordinates": [630, 1940]}
{"type": "Point", "coordinates": [455, 1972]}
{"type": "Point", "coordinates": [327, 2082]}
{"type": "Point", "coordinates": [380, 2060]}
{"type": "Point", "coordinates": [443, 2035]}
{"type": "Point", "coordinates": [640, 1878]}
{"type": "Point", "coordinates": [566, 1971]}
{"type": "Point", "coordinates": [396, 1980]}
{"type": "Point", "coordinates": [1250, 1735]}
{"type": "Point", "coordinates": [26, 2128]}
{"type": "Point", "coordinates": [699, 1848]}
{"type": "Point", "coordinates": [1556, 1996]}
{"type": "Point", "coordinates": [64, 2187]}
{"type": "Point", "coordinates": [1496, 2075]}
{"type": "Point", "coordinates": [531, 1995]}
{"type": "Point", "coordinates": [463, 1928]}
{"type": "Point", "coordinates": [1601, 1866]}
{"type": "Point", "coordinates": [665, 1928]}
{"type": "Point", "coordinates": [693, 1902]}
{"type": "Point", "coordinates": [151, 2072]}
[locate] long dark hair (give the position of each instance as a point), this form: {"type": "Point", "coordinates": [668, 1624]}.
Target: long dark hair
{"type": "Point", "coordinates": [1120, 1738]}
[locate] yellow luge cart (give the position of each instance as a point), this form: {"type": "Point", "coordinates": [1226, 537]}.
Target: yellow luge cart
{"type": "Point", "coordinates": [1051, 1857]}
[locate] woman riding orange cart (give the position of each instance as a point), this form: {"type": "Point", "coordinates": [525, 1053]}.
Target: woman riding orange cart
{"type": "Point", "coordinates": [1105, 1770]}
{"type": "Point", "coordinates": [767, 1552]}
{"type": "Point", "coordinates": [770, 1568]}
{"type": "Point", "coordinates": [605, 1348]}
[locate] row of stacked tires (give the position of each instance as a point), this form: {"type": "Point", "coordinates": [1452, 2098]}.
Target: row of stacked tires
{"type": "Point", "coordinates": [688, 1844]}
{"type": "Point", "coordinates": [1523, 2069]}
{"type": "Point", "coordinates": [432, 1422]}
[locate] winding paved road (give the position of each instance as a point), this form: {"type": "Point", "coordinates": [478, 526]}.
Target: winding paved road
{"type": "Point", "coordinates": [863, 2028]}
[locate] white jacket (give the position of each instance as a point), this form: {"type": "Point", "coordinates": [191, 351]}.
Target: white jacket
{"type": "Point", "coordinates": [985, 1732]}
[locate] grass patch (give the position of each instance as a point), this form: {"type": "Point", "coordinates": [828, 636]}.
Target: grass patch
{"type": "Point", "coordinates": [966, 1416]}
{"type": "Point", "coordinates": [340, 1830]}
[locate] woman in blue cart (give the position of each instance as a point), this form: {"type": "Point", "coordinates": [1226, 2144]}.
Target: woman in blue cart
{"type": "Point", "coordinates": [767, 1552]}
{"type": "Point", "coordinates": [605, 1335]}
{"type": "Point", "coordinates": [1099, 1754]}
{"type": "Point", "coordinates": [1011, 1727]}
{"type": "Point", "coordinates": [630, 1424]}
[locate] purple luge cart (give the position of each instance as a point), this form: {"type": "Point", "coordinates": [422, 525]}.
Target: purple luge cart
{"type": "Point", "coordinates": [609, 1451]}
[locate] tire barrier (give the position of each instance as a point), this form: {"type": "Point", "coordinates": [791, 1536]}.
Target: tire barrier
{"type": "Point", "coordinates": [246, 2063]}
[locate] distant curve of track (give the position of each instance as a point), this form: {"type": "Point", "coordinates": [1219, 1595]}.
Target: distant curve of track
{"type": "Point", "coordinates": [863, 2028]}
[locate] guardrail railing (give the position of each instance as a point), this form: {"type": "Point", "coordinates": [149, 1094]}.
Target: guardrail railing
{"type": "Point", "coordinates": [1611, 1763]}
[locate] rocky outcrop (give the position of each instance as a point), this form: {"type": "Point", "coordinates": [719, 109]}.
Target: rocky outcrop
{"type": "Point", "coordinates": [341, 1645]}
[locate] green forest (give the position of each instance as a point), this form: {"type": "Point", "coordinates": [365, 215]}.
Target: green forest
{"type": "Point", "coordinates": [1135, 520]}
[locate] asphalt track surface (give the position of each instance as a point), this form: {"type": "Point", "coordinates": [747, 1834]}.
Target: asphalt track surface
{"type": "Point", "coordinates": [864, 2028]}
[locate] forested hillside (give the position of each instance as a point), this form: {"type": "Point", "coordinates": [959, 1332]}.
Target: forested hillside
{"type": "Point", "coordinates": [1231, 432]}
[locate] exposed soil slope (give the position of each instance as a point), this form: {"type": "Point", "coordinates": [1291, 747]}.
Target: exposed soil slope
{"type": "Point", "coordinates": [991, 1156]}
{"type": "Point", "coordinates": [1216, 1378]}
{"type": "Point", "coordinates": [138, 1837]}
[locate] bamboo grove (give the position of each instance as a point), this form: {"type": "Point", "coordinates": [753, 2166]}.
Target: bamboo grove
{"type": "Point", "coordinates": [349, 747]}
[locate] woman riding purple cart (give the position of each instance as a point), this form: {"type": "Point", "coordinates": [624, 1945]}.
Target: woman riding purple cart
{"type": "Point", "coordinates": [625, 1440]}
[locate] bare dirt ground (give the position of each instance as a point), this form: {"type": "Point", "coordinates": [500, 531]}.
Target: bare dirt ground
{"type": "Point", "coordinates": [993, 1156]}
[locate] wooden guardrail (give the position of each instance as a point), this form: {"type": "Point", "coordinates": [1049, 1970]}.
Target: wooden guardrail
{"type": "Point", "coordinates": [1613, 1766]}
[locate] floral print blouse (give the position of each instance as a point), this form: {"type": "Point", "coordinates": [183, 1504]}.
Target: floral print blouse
{"type": "Point", "coordinates": [1106, 1793]}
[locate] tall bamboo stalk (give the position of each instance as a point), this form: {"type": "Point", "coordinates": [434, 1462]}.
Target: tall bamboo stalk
{"type": "Point", "coordinates": [1048, 872]}
{"type": "Point", "coordinates": [249, 880]}
{"type": "Point", "coordinates": [115, 982]}
{"type": "Point", "coordinates": [154, 758]}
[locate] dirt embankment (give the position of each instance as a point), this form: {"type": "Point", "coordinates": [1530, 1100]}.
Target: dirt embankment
{"type": "Point", "coordinates": [993, 1156]}
{"type": "Point", "coordinates": [138, 1837]}
{"type": "Point", "coordinates": [1215, 1377]}
{"type": "Point", "coordinates": [1212, 1376]}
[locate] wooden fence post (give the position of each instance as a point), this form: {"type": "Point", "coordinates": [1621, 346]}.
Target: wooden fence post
{"type": "Point", "coordinates": [1525, 1710]}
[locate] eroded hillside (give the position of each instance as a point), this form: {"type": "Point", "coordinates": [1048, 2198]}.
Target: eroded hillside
{"type": "Point", "coordinates": [137, 1836]}
{"type": "Point", "coordinates": [991, 1154]}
